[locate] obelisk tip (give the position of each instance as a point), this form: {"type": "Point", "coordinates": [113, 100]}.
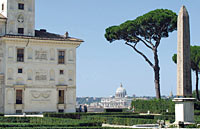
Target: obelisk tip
{"type": "Point", "coordinates": [183, 10]}
{"type": "Point", "coordinates": [183, 6]}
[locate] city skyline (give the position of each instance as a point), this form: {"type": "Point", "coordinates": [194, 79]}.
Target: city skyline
{"type": "Point", "coordinates": [102, 66]}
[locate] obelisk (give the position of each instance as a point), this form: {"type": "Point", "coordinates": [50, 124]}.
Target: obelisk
{"type": "Point", "coordinates": [184, 103]}
{"type": "Point", "coordinates": [184, 85]}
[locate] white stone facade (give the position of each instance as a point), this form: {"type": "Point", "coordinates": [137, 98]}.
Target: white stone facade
{"type": "Point", "coordinates": [121, 100]}
{"type": "Point", "coordinates": [18, 18]}
{"type": "Point", "coordinates": [34, 81]}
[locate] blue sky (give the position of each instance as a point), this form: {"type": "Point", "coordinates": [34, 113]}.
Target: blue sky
{"type": "Point", "coordinates": [102, 66]}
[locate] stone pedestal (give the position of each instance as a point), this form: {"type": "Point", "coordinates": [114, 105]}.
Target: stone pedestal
{"type": "Point", "coordinates": [184, 110]}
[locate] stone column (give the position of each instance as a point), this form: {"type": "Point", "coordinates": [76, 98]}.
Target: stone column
{"type": "Point", "coordinates": [184, 104]}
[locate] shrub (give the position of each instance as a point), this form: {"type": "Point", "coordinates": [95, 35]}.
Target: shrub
{"type": "Point", "coordinates": [154, 106]}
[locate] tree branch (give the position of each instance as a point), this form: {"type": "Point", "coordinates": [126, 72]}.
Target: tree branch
{"type": "Point", "coordinates": [134, 47]}
{"type": "Point", "coordinates": [151, 47]}
{"type": "Point", "coordinates": [157, 43]}
{"type": "Point", "coordinates": [149, 42]}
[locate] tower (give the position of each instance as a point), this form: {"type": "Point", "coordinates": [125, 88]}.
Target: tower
{"type": "Point", "coordinates": [20, 17]}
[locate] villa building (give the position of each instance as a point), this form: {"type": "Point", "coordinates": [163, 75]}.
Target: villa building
{"type": "Point", "coordinates": [37, 68]}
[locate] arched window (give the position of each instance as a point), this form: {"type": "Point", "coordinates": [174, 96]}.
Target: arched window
{"type": "Point", "coordinates": [71, 55]}
{"type": "Point", "coordinates": [9, 96]}
{"type": "Point", "coordinates": [71, 77]}
{"type": "Point", "coordinates": [52, 54]}
{"type": "Point", "coordinates": [52, 75]}
{"type": "Point", "coordinates": [30, 75]}
{"type": "Point", "coordinates": [30, 53]}
{"type": "Point", "coordinates": [10, 52]}
{"type": "Point", "coordinates": [10, 74]}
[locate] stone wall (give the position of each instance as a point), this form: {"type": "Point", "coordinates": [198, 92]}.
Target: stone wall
{"type": "Point", "coordinates": [40, 79]}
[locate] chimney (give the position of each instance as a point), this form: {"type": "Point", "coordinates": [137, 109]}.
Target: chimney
{"type": "Point", "coordinates": [43, 30]}
{"type": "Point", "coordinates": [66, 35]}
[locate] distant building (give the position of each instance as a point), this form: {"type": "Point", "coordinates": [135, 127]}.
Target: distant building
{"type": "Point", "coordinates": [120, 100]}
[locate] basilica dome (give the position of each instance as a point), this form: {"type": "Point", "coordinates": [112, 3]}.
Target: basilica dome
{"type": "Point", "coordinates": [120, 92]}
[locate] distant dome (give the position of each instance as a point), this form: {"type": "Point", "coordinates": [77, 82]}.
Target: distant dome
{"type": "Point", "coordinates": [120, 92]}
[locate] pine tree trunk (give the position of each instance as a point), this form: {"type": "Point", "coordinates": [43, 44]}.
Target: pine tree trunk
{"type": "Point", "coordinates": [197, 82]}
{"type": "Point", "coordinates": [157, 75]}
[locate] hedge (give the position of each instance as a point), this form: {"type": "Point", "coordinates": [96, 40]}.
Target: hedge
{"type": "Point", "coordinates": [119, 121]}
{"type": "Point", "coordinates": [154, 106]}
{"type": "Point", "coordinates": [62, 128]}
{"type": "Point", "coordinates": [78, 115]}
{"type": "Point", "coordinates": [48, 121]}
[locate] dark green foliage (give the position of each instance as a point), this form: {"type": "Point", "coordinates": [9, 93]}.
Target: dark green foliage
{"type": "Point", "coordinates": [148, 30]}
{"type": "Point", "coordinates": [197, 106]}
{"type": "Point", "coordinates": [195, 64]}
{"type": "Point", "coordinates": [78, 115]}
{"type": "Point", "coordinates": [114, 110]}
{"type": "Point", "coordinates": [155, 25]}
{"type": "Point", "coordinates": [154, 106]}
{"type": "Point", "coordinates": [194, 57]}
{"type": "Point", "coordinates": [63, 115]}
{"type": "Point", "coordinates": [174, 58]}
{"type": "Point", "coordinates": [191, 126]}
{"type": "Point", "coordinates": [86, 121]}
{"type": "Point", "coordinates": [121, 121]}
{"type": "Point", "coordinates": [171, 118]}
{"type": "Point", "coordinates": [37, 122]}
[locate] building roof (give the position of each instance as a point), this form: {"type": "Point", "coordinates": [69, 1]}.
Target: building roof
{"type": "Point", "coordinates": [44, 35]}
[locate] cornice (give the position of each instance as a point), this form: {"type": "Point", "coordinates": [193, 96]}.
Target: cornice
{"type": "Point", "coordinates": [39, 41]}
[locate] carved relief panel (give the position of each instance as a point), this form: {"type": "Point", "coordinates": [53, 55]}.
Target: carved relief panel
{"type": "Point", "coordinates": [41, 75]}
{"type": "Point", "coordinates": [40, 95]}
{"type": "Point", "coordinates": [41, 55]}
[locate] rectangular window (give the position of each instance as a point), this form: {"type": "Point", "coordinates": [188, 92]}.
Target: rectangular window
{"type": "Point", "coordinates": [20, 30]}
{"type": "Point", "coordinates": [61, 97]}
{"type": "Point", "coordinates": [20, 55]}
{"type": "Point", "coordinates": [2, 7]}
{"type": "Point", "coordinates": [20, 71]}
{"type": "Point", "coordinates": [61, 72]}
{"type": "Point", "coordinates": [18, 96]}
{"type": "Point", "coordinates": [18, 111]}
{"type": "Point", "coordinates": [21, 6]}
{"type": "Point", "coordinates": [61, 57]}
{"type": "Point", "coordinates": [61, 111]}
